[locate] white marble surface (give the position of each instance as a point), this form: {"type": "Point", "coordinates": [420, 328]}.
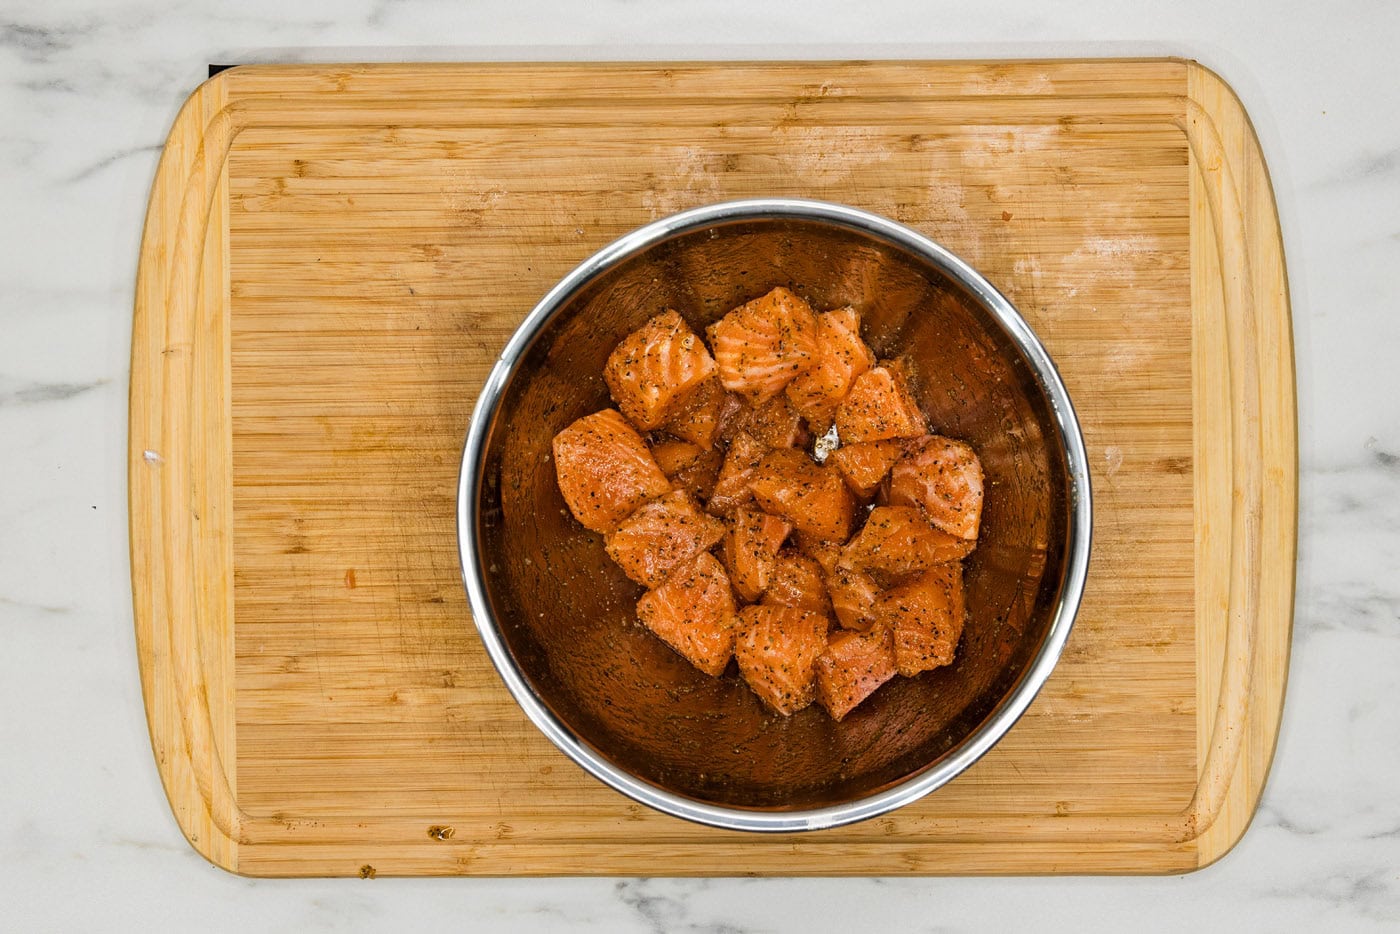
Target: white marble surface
{"type": "Point", "coordinates": [87, 92]}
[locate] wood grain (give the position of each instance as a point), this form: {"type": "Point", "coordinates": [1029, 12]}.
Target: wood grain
{"type": "Point", "coordinates": [334, 256]}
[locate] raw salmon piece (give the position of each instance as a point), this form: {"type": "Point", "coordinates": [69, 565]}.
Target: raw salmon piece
{"type": "Point", "coordinates": [825, 553]}
{"type": "Point", "coordinates": [661, 536]}
{"type": "Point", "coordinates": [674, 456]}
{"type": "Point", "coordinates": [650, 373]}
{"type": "Point", "coordinates": [853, 594]}
{"type": "Point", "coordinates": [796, 581]}
{"type": "Point", "coordinates": [700, 416]}
{"type": "Point", "coordinates": [841, 357]}
{"type": "Point", "coordinates": [942, 477]}
{"type": "Point", "coordinates": [604, 470]}
{"type": "Point", "coordinates": [897, 541]}
{"type": "Point", "coordinates": [774, 424]}
{"type": "Point", "coordinates": [865, 465]}
{"type": "Point", "coordinates": [879, 407]}
{"type": "Point", "coordinates": [688, 466]}
{"type": "Point", "coordinates": [812, 497]}
{"type": "Point", "coordinates": [926, 616]}
{"type": "Point", "coordinates": [853, 667]}
{"type": "Point", "coordinates": [760, 346]}
{"type": "Point", "coordinates": [777, 648]}
{"type": "Point", "coordinates": [693, 612]}
{"type": "Point", "coordinates": [732, 487]}
{"type": "Point", "coordinates": [732, 413]}
{"type": "Point", "coordinates": [751, 551]}
{"type": "Point", "coordinates": [699, 478]}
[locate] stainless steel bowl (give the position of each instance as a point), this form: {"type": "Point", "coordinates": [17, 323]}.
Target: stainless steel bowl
{"type": "Point", "coordinates": [556, 616]}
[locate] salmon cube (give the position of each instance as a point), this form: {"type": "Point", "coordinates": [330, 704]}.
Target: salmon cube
{"type": "Point", "coordinates": [693, 612]}
{"type": "Point", "coordinates": [853, 667]}
{"type": "Point", "coordinates": [841, 357]}
{"type": "Point", "coordinates": [926, 616]}
{"type": "Point", "coordinates": [865, 465]}
{"type": "Point", "coordinates": [604, 470]}
{"type": "Point", "coordinates": [898, 541]}
{"type": "Point", "coordinates": [751, 551]}
{"type": "Point", "coordinates": [774, 424]}
{"type": "Point", "coordinates": [879, 407]}
{"type": "Point", "coordinates": [853, 594]}
{"type": "Point", "coordinates": [731, 489]}
{"type": "Point", "coordinates": [650, 373]}
{"type": "Point", "coordinates": [702, 413]}
{"type": "Point", "coordinates": [732, 413]}
{"type": "Point", "coordinates": [761, 346]}
{"type": "Point", "coordinates": [943, 478]}
{"type": "Point", "coordinates": [688, 466]}
{"type": "Point", "coordinates": [811, 496]}
{"type": "Point", "coordinates": [777, 648]}
{"type": "Point", "coordinates": [674, 456]}
{"type": "Point", "coordinates": [661, 536]}
{"type": "Point", "coordinates": [699, 478]}
{"type": "Point", "coordinates": [797, 581]}
{"type": "Point", "coordinates": [825, 553]}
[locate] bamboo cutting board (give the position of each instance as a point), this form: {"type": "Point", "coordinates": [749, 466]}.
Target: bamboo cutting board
{"type": "Point", "coordinates": [333, 258]}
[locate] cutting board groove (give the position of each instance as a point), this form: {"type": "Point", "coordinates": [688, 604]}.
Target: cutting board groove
{"type": "Point", "coordinates": [333, 258]}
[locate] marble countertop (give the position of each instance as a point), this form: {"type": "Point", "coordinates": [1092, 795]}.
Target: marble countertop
{"type": "Point", "coordinates": [87, 93]}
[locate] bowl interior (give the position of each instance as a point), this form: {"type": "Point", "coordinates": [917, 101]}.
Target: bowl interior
{"type": "Point", "coordinates": [565, 612]}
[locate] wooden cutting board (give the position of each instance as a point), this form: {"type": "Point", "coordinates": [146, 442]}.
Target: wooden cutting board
{"type": "Point", "coordinates": [334, 256]}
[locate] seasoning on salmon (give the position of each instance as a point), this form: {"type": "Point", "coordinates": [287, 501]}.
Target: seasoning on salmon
{"type": "Point", "coordinates": [926, 616]}
{"type": "Point", "coordinates": [774, 423]}
{"type": "Point", "coordinates": [942, 477]}
{"type": "Point", "coordinates": [693, 612]}
{"type": "Point", "coordinates": [865, 465]}
{"type": "Point", "coordinates": [841, 357]}
{"type": "Point", "coordinates": [751, 551]}
{"type": "Point", "coordinates": [797, 581]}
{"type": "Point", "coordinates": [853, 594]}
{"type": "Point", "coordinates": [812, 497]}
{"type": "Point", "coordinates": [652, 370]}
{"type": "Point", "coordinates": [879, 407]}
{"type": "Point", "coordinates": [732, 486]}
{"type": "Point", "coordinates": [661, 536]}
{"type": "Point", "coordinates": [700, 416]}
{"type": "Point", "coordinates": [853, 667]}
{"type": "Point", "coordinates": [746, 531]}
{"type": "Point", "coordinates": [897, 541]}
{"type": "Point", "coordinates": [604, 470]}
{"type": "Point", "coordinates": [688, 466]}
{"type": "Point", "coordinates": [761, 346]}
{"type": "Point", "coordinates": [777, 648]}
{"type": "Point", "coordinates": [825, 553]}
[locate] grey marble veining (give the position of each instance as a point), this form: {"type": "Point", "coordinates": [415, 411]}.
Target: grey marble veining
{"type": "Point", "coordinates": [87, 93]}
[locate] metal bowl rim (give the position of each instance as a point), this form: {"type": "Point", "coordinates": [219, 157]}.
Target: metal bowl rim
{"type": "Point", "coordinates": [1007, 711]}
